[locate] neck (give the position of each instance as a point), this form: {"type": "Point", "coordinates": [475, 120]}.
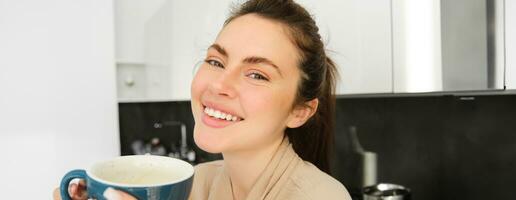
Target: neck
{"type": "Point", "coordinates": [244, 168]}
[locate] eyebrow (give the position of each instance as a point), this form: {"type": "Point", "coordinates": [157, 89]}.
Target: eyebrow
{"type": "Point", "coordinates": [248, 60]}
{"type": "Point", "coordinates": [257, 60]}
{"type": "Point", "coordinates": [219, 49]}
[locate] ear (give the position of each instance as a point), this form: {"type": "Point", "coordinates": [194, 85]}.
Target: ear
{"type": "Point", "coordinates": [302, 113]}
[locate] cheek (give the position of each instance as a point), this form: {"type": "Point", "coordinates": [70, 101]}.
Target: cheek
{"type": "Point", "coordinates": [199, 84]}
{"type": "Point", "coordinates": [270, 105]}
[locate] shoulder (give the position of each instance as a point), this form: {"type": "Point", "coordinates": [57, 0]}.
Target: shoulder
{"type": "Point", "coordinates": [313, 183]}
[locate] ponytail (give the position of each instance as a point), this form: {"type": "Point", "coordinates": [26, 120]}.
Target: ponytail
{"type": "Point", "coordinates": [314, 141]}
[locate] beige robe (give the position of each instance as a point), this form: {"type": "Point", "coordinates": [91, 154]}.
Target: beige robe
{"type": "Point", "coordinates": [286, 177]}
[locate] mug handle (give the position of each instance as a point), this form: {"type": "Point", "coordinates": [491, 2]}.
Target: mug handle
{"type": "Point", "coordinates": [78, 173]}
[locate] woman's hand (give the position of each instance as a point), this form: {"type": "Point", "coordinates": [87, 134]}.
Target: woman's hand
{"type": "Point", "coordinates": [78, 192]}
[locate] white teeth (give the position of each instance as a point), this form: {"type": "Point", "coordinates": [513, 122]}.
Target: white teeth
{"type": "Point", "coordinates": [217, 114]}
{"type": "Point", "coordinates": [220, 115]}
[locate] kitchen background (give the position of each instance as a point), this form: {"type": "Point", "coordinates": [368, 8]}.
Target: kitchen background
{"type": "Point", "coordinates": [441, 147]}
{"type": "Point", "coordinates": [428, 85]}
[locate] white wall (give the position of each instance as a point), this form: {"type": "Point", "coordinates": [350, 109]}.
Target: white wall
{"type": "Point", "coordinates": [58, 107]}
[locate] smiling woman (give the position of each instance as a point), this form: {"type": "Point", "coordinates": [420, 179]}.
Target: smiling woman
{"type": "Point", "coordinates": [264, 99]}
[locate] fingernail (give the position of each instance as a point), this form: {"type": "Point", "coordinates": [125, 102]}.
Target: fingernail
{"type": "Point", "coordinates": [112, 194]}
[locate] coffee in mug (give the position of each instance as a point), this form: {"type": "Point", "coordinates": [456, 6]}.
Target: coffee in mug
{"type": "Point", "coordinates": [142, 176]}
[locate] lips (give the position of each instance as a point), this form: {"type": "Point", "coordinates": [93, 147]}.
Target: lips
{"type": "Point", "coordinates": [216, 116]}
{"type": "Point", "coordinates": [219, 111]}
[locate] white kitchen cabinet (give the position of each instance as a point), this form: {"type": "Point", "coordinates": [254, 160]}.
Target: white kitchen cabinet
{"type": "Point", "coordinates": [510, 42]}
{"type": "Point", "coordinates": [357, 34]}
{"type": "Point", "coordinates": [130, 19]}
{"type": "Point", "coordinates": [131, 81]}
{"type": "Point", "coordinates": [448, 46]}
{"type": "Point", "coordinates": [406, 46]}
{"type": "Point", "coordinates": [373, 43]}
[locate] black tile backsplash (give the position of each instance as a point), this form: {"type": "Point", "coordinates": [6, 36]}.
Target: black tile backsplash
{"type": "Point", "coordinates": [441, 147]}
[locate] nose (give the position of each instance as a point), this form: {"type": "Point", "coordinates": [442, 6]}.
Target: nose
{"type": "Point", "coordinates": [225, 84]}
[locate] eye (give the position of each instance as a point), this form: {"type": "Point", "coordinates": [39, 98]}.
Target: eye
{"type": "Point", "coordinates": [214, 63]}
{"type": "Point", "coordinates": [257, 76]}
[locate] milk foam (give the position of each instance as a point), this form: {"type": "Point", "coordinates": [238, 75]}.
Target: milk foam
{"type": "Point", "coordinates": [146, 171]}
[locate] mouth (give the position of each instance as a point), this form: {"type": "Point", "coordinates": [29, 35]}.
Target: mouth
{"type": "Point", "coordinates": [215, 116]}
{"type": "Point", "coordinates": [221, 115]}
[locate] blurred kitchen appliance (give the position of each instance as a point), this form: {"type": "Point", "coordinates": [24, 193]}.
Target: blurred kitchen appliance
{"type": "Point", "coordinates": [362, 165]}
{"type": "Point", "coordinates": [368, 161]}
{"type": "Point", "coordinates": [156, 145]}
{"type": "Point", "coordinates": [386, 191]}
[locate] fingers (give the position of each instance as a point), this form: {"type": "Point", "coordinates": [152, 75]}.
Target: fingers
{"type": "Point", "coordinates": [112, 194]}
{"type": "Point", "coordinates": [57, 194]}
{"type": "Point", "coordinates": [82, 182]}
{"type": "Point", "coordinates": [78, 191]}
{"type": "Point", "coordinates": [81, 192]}
{"type": "Point", "coordinates": [72, 189]}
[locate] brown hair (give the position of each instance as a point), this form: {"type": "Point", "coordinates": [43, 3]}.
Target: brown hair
{"type": "Point", "coordinates": [313, 141]}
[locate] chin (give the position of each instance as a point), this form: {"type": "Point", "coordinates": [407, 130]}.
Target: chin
{"type": "Point", "coordinates": [204, 142]}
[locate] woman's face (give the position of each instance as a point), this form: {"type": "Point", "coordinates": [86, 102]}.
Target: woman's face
{"type": "Point", "coordinates": [251, 74]}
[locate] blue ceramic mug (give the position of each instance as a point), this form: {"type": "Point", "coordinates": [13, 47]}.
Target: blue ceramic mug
{"type": "Point", "coordinates": [142, 176]}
